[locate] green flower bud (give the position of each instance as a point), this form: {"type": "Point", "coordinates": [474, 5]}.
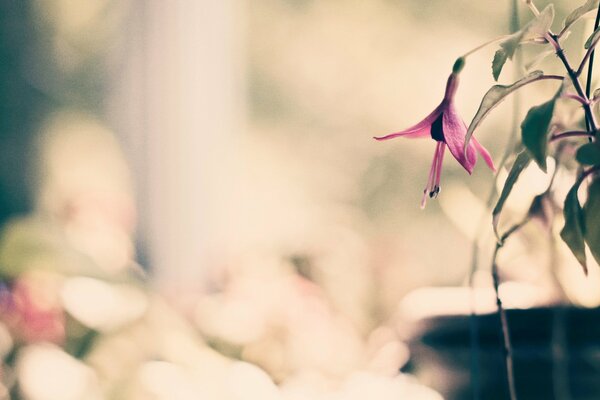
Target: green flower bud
{"type": "Point", "coordinates": [459, 64]}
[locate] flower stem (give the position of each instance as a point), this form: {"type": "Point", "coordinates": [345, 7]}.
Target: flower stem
{"type": "Point", "coordinates": [532, 7]}
{"type": "Point", "coordinates": [481, 46]}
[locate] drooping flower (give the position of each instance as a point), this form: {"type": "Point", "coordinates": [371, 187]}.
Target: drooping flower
{"type": "Point", "coordinates": [448, 129]}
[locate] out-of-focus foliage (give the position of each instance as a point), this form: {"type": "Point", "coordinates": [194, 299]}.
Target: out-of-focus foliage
{"type": "Point", "coordinates": [573, 231]}
{"type": "Point", "coordinates": [534, 131]}
{"type": "Point", "coordinates": [329, 236]}
{"type": "Point", "coordinates": [533, 30]}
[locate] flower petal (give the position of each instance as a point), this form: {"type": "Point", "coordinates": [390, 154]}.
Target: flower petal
{"type": "Point", "coordinates": [454, 136]}
{"type": "Point", "coordinates": [484, 153]}
{"type": "Point", "coordinates": [421, 129]}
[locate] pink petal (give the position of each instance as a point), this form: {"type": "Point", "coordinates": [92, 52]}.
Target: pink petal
{"type": "Point", "coordinates": [421, 129]}
{"type": "Point", "coordinates": [454, 135]}
{"type": "Point", "coordinates": [484, 153]}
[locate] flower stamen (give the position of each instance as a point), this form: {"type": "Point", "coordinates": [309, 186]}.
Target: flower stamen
{"type": "Point", "coordinates": [441, 147]}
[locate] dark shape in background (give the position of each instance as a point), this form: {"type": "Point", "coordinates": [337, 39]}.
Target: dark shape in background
{"type": "Point", "coordinates": [21, 106]}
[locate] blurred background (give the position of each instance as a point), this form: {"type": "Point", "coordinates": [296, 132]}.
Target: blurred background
{"type": "Point", "coordinates": [192, 204]}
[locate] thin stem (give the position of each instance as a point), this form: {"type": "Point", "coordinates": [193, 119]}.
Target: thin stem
{"type": "Point", "coordinates": [481, 46]}
{"type": "Point", "coordinates": [559, 343]}
{"type": "Point", "coordinates": [474, 343]}
{"type": "Point", "coordinates": [508, 350]}
{"type": "Point", "coordinates": [473, 325]}
{"type": "Point", "coordinates": [568, 134]}
{"type": "Point", "coordinates": [590, 70]}
{"type": "Point", "coordinates": [589, 54]}
{"type": "Point", "coordinates": [575, 79]}
{"type": "Point", "coordinates": [474, 328]}
{"type": "Point", "coordinates": [506, 335]}
{"type": "Point", "coordinates": [555, 77]}
{"type": "Point", "coordinates": [532, 7]}
{"type": "Point", "coordinates": [575, 97]}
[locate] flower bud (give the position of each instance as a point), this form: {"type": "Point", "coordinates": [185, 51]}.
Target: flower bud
{"type": "Point", "coordinates": [459, 64]}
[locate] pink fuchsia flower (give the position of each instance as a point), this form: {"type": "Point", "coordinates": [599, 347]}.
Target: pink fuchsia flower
{"type": "Point", "coordinates": [447, 128]}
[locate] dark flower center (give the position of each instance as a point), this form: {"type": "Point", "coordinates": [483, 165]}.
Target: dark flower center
{"type": "Point", "coordinates": [436, 129]}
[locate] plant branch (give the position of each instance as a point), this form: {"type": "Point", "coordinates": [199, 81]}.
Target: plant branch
{"type": "Point", "coordinates": [508, 350]}
{"type": "Point", "coordinates": [532, 7]}
{"type": "Point", "coordinates": [577, 98]}
{"type": "Point", "coordinates": [589, 54]}
{"type": "Point", "coordinates": [474, 328]}
{"type": "Point", "coordinates": [590, 70]}
{"type": "Point", "coordinates": [589, 116]}
{"type": "Point", "coordinates": [481, 46]}
{"type": "Point", "coordinates": [568, 134]}
{"type": "Point", "coordinates": [559, 344]}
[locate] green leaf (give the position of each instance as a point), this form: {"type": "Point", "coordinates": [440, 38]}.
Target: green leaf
{"type": "Point", "coordinates": [541, 25]}
{"type": "Point", "coordinates": [573, 231]}
{"type": "Point", "coordinates": [493, 97]}
{"type": "Point", "coordinates": [534, 131]}
{"type": "Point", "coordinates": [498, 62]}
{"type": "Point", "coordinates": [521, 162]}
{"type": "Point", "coordinates": [537, 60]}
{"type": "Point", "coordinates": [588, 154]}
{"type": "Point", "coordinates": [591, 212]}
{"type": "Point", "coordinates": [535, 28]}
{"type": "Point", "coordinates": [588, 6]}
{"type": "Point", "coordinates": [593, 37]}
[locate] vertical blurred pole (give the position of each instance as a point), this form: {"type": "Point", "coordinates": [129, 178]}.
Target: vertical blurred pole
{"type": "Point", "coordinates": [179, 105]}
{"type": "Point", "coordinates": [21, 106]}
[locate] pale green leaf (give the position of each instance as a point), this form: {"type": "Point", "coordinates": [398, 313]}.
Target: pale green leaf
{"type": "Point", "coordinates": [494, 96]}
{"type": "Point", "coordinates": [534, 131]}
{"type": "Point", "coordinates": [593, 38]}
{"type": "Point", "coordinates": [521, 162]}
{"type": "Point", "coordinates": [574, 230]}
{"type": "Point", "coordinates": [537, 60]}
{"type": "Point", "coordinates": [540, 25]}
{"type": "Point", "coordinates": [588, 6]}
{"type": "Point", "coordinates": [535, 28]}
